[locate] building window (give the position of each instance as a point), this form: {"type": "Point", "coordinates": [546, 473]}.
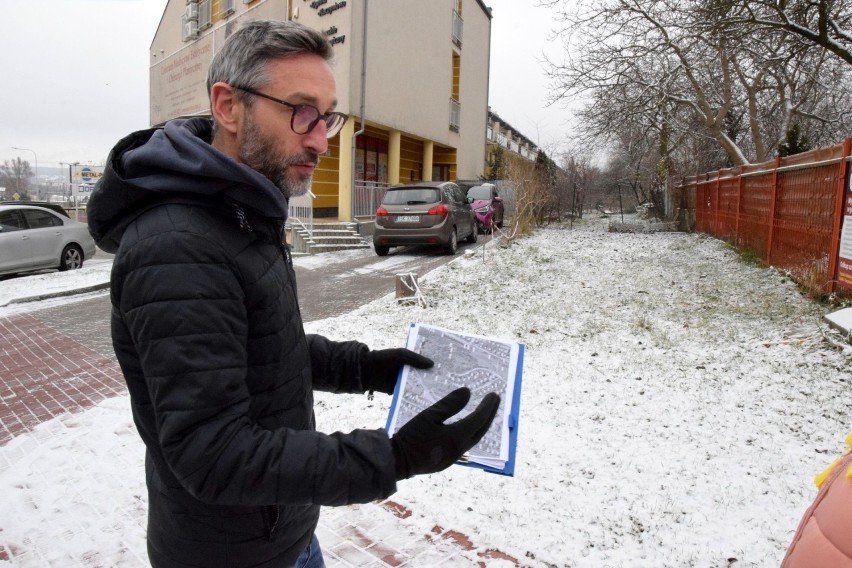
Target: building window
{"type": "Point", "coordinates": [371, 159]}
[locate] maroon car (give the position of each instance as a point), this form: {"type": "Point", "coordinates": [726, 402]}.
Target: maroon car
{"type": "Point", "coordinates": [487, 206]}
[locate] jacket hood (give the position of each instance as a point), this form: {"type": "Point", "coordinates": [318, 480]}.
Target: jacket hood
{"type": "Point", "coordinates": [175, 163]}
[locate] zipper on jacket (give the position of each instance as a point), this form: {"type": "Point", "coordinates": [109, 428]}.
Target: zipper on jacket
{"type": "Point", "coordinates": [288, 258]}
{"type": "Point", "coordinates": [274, 516]}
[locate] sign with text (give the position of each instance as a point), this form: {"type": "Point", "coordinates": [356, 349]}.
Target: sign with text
{"type": "Point", "coordinates": [179, 82]}
{"type": "Point", "coordinates": [86, 174]}
{"type": "Point", "coordinates": [844, 264]}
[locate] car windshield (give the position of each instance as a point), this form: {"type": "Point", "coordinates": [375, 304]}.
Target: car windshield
{"type": "Point", "coordinates": [411, 196]}
{"type": "Point", "coordinates": [479, 192]}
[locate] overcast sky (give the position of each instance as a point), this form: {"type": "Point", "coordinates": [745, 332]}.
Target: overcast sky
{"type": "Point", "coordinates": [76, 75]}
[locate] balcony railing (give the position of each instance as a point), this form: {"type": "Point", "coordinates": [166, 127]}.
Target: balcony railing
{"type": "Point", "coordinates": [205, 14]}
{"type": "Point", "coordinates": [301, 211]}
{"type": "Point", "coordinates": [455, 115]}
{"type": "Point", "coordinates": [458, 29]}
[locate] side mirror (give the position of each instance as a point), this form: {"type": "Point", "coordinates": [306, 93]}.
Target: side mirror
{"type": "Point", "coordinates": [497, 198]}
{"type": "Point", "coordinates": [470, 199]}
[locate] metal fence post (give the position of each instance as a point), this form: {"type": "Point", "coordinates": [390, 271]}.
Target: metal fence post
{"type": "Point", "coordinates": [772, 201]}
{"type": "Point", "coordinates": [739, 209]}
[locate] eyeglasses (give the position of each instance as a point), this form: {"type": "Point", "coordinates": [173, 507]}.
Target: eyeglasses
{"type": "Point", "coordinates": [306, 117]}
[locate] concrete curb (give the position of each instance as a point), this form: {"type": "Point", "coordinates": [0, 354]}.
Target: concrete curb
{"type": "Point", "coordinates": [58, 294]}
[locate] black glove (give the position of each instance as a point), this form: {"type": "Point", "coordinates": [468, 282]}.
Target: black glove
{"type": "Point", "coordinates": [426, 445]}
{"type": "Point", "coordinates": [380, 369]}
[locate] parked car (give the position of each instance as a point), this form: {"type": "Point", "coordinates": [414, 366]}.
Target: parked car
{"type": "Point", "coordinates": [36, 238]}
{"type": "Point", "coordinates": [487, 206]}
{"type": "Point", "coordinates": [426, 213]}
{"type": "Point", "coordinates": [46, 204]}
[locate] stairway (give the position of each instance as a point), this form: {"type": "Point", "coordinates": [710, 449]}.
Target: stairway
{"type": "Point", "coordinates": [327, 237]}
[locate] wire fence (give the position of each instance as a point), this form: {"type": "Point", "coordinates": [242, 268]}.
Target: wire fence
{"type": "Point", "coordinates": [789, 213]}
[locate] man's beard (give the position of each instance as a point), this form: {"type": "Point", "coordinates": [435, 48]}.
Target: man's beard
{"type": "Point", "coordinates": [258, 152]}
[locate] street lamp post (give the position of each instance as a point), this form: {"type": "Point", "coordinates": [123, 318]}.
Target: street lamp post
{"type": "Point", "coordinates": [36, 164]}
{"type": "Point", "coordinates": [71, 187]}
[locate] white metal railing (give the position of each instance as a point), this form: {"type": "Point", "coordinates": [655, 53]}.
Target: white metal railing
{"type": "Point", "coordinates": [301, 211]}
{"type": "Point", "coordinates": [367, 197]}
{"type": "Point", "coordinates": [458, 29]}
{"type": "Point", "coordinates": [455, 115]}
{"type": "Point", "coordinates": [226, 7]}
{"type": "Point", "coordinates": [205, 14]}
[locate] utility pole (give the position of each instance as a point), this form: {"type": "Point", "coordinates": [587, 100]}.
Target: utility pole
{"type": "Point", "coordinates": [70, 183]}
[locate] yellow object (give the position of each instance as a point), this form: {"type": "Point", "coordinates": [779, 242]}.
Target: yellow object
{"type": "Point", "coordinates": [820, 479]}
{"type": "Point", "coordinates": [849, 444]}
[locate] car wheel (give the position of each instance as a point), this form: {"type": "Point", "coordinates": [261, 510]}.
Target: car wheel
{"type": "Point", "coordinates": [474, 234]}
{"type": "Point", "coordinates": [72, 258]}
{"type": "Point", "coordinates": [380, 250]}
{"type": "Point", "coordinates": [453, 245]}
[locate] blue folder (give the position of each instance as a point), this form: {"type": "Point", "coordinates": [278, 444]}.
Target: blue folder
{"type": "Point", "coordinates": [513, 421]}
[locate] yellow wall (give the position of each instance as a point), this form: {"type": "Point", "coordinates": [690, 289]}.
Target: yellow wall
{"type": "Point", "coordinates": [326, 178]}
{"type": "Point", "coordinates": [456, 76]}
{"type": "Point", "coordinates": [445, 156]}
{"type": "Point", "coordinates": [410, 160]}
{"type": "Point", "coordinates": [374, 132]}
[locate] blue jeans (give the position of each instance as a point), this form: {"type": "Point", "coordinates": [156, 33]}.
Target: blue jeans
{"type": "Point", "coordinates": [311, 557]}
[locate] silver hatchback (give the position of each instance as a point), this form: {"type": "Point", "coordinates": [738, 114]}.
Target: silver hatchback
{"type": "Point", "coordinates": [427, 213]}
{"type": "Point", "coordinates": [36, 238]}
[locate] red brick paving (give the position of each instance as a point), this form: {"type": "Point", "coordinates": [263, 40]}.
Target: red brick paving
{"type": "Point", "coordinates": [45, 373]}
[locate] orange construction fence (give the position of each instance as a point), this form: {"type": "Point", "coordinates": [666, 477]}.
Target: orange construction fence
{"type": "Point", "coordinates": [794, 213]}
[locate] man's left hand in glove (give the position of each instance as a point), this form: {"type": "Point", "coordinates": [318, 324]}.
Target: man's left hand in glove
{"type": "Point", "coordinates": [380, 368]}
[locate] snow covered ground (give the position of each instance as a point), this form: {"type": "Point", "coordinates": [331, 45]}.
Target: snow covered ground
{"type": "Point", "coordinates": [677, 403]}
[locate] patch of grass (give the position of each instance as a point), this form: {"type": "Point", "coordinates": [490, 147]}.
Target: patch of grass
{"type": "Point", "coordinates": [749, 256]}
{"type": "Point", "coordinates": [643, 323]}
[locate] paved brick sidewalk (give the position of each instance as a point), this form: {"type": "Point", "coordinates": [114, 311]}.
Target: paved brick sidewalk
{"type": "Point", "coordinates": [45, 373]}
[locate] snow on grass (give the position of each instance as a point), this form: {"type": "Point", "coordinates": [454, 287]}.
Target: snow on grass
{"type": "Point", "coordinates": [677, 403]}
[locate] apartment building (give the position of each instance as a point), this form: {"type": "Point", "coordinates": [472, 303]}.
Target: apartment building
{"type": "Point", "coordinates": [501, 133]}
{"type": "Point", "coordinates": [412, 75]}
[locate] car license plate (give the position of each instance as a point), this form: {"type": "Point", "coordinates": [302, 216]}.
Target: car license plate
{"type": "Point", "coordinates": [408, 218]}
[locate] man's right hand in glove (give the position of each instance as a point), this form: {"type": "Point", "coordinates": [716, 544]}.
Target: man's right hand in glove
{"type": "Point", "coordinates": [426, 445]}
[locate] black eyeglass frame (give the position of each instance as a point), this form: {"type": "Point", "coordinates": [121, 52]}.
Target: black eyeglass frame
{"type": "Point", "coordinates": [330, 133]}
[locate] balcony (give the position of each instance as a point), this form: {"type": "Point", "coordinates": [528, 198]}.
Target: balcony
{"type": "Point", "coordinates": [458, 29]}
{"type": "Point", "coordinates": [455, 115]}
{"type": "Point", "coordinates": [205, 14]}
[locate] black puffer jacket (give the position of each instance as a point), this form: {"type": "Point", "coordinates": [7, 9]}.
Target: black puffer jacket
{"type": "Point", "coordinates": [207, 330]}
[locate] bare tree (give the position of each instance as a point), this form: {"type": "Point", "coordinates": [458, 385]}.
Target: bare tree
{"type": "Point", "coordinates": [668, 66]}
{"type": "Point", "coordinates": [15, 176]}
{"type": "Point", "coordinates": [826, 23]}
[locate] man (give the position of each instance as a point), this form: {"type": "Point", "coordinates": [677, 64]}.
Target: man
{"type": "Point", "coordinates": [207, 330]}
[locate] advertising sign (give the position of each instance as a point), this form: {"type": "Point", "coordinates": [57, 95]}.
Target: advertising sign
{"type": "Point", "coordinates": [844, 265]}
{"type": "Point", "coordinates": [88, 175]}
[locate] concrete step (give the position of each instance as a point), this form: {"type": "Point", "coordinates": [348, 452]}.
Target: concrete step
{"type": "Point", "coordinates": [328, 237]}
{"type": "Point", "coordinates": [330, 247]}
{"type": "Point", "coordinates": [335, 239]}
{"type": "Point", "coordinates": [330, 233]}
